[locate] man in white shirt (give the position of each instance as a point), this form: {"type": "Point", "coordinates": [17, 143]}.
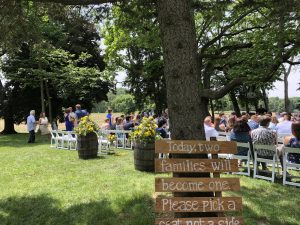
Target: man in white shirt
{"type": "Point", "coordinates": [31, 126]}
{"type": "Point", "coordinates": [210, 131]}
{"type": "Point", "coordinates": [285, 127]}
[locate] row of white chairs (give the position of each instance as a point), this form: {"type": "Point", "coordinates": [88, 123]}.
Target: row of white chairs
{"type": "Point", "coordinates": [68, 140]}
{"type": "Point", "coordinates": [273, 160]}
{"type": "Point", "coordinates": [63, 139]}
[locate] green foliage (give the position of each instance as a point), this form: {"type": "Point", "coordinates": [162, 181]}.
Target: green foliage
{"type": "Point", "coordinates": [123, 103]}
{"type": "Point", "coordinates": [277, 105]}
{"type": "Point", "coordinates": [62, 52]}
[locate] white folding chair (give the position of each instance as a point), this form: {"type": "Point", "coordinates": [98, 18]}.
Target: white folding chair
{"type": "Point", "coordinates": [103, 143]}
{"type": "Point", "coordinates": [53, 139]}
{"type": "Point", "coordinates": [59, 139]}
{"type": "Point", "coordinates": [289, 165]}
{"type": "Point", "coordinates": [247, 157]}
{"type": "Point", "coordinates": [265, 151]}
{"type": "Point", "coordinates": [72, 140]}
{"type": "Point", "coordinates": [120, 139]}
{"type": "Point", "coordinates": [281, 137]}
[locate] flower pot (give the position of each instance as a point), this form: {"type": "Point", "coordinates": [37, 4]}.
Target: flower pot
{"type": "Point", "coordinates": [144, 155]}
{"type": "Point", "coordinates": [87, 146]}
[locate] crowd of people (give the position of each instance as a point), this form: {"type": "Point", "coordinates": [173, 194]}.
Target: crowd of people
{"type": "Point", "coordinates": [261, 129]}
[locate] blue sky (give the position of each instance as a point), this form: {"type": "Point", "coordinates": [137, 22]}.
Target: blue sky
{"type": "Point", "coordinates": [277, 91]}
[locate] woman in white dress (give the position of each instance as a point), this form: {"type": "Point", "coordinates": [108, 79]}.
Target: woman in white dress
{"type": "Point", "coordinates": [43, 124]}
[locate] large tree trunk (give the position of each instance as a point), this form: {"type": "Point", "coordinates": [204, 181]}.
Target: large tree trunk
{"type": "Point", "coordinates": [287, 102]}
{"type": "Point", "coordinates": [186, 108]}
{"type": "Point", "coordinates": [265, 99]}
{"type": "Point", "coordinates": [49, 102]}
{"type": "Point", "coordinates": [181, 71]}
{"type": "Point", "coordinates": [235, 103]}
{"type": "Point", "coordinates": [42, 96]}
{"type": "Point", "coordinates": [9, 126]}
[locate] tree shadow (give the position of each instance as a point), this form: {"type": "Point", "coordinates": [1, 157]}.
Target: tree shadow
{"type": "Point", "coordinates": [269, 207]}
{"type": "Point", "coordinates": [44, 210]}
{"type": "Point", "coordinates": [20, 140]}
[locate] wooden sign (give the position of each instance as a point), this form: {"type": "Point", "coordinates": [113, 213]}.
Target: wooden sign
{"type": "Point", "coordinates": [195, 147]}
{"type": "Point", "coordinates": [198, 204]}
{"type": "Point", "coordinates": [201, 221]}
{"type": "Point", "coordinates": [196, 184]}
{"type": "Point", "coordinates": [196, 165]}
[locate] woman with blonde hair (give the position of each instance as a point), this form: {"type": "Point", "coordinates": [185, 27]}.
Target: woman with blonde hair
{"type": "Point", "coordinates": [43, 124]}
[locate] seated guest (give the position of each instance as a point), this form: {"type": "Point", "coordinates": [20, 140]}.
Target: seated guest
{"type": "Point", "coordinates": [210, 131]}
{"type": "Point", "coordinates": [253, 122]}
{"type": "Point", "coordinates": [106, 124]}
{"type": "Point", "coordinates": [264, 136]}
{"type": "Point", "coordinates": [162, 124]}
{"type": "Point", "coordinates": [294, 142]}
{"type": "Point", "coordinates": [119, 124]}
{"type": "Point", "coordinates": [129, 125]}
{"type": "Point", "coordinates": [113, 127]}
{"type": "Point", "coordinates": [230, 124]}
{"type": "Point", "coordinates": [273, 123]}
{"type": "Point", "coordinates": [241, 133]}
{"type": "Point", "coordinates": [223, 119]}
{"type": "Point", "coordinates": [218, 125]}
{"type": "Point", "coordinates": [285, 127]}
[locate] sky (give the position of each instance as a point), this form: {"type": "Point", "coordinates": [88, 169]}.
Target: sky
{"type": "Point", "coordinates": [294, 80]}
{"type": "Point", "coordinates": [278, 90]}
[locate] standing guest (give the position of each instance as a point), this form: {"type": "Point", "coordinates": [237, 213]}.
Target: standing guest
{"type": "Point", "coordinates": [68, 121]}
{"type": "Point", "coordinates": [109, 116]}
{"type": "Point", "coordinates": [285, 127]}
{"type": "Point", "coordinates": [253, 122]}
{"type": "Point", "coordinates": [43, 124]}
{"type": "Point", "coordinates": [113, 127]}
{"type": "Point", "coordinates": [264, 136]}
{"type": "Point", "coordinates": [261, 110]}
{"type": "Point", "coordinates": [72, 116]}
{"type": "Point", "coordinates": [79, 113]}
{"type": "Point", "coordinates": [31, 126]}
{"type": "Point", "coordinates": [210, 131]}
{"type": "Point", "coordinates": [273, 123]}
{"type": "Point", "coordinates": [294, 142]}
{"type": "Point", "coordinates": [162, 124]}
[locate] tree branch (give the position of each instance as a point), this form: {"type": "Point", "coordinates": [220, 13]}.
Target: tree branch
{"type": "Point", "coordinates": [212, 94]}
{"type": "Point", "coordinates": [80, 2]}
{"type": "Point", "coordinates": [292, 63]}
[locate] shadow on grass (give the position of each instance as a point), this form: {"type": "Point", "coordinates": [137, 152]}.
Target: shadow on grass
{"type": "Point", "coordinates": [20, 140]}
{"type": "Point", "coordinates": [43, 210]}
{"type": "Point", "coordinates": [271, 206]}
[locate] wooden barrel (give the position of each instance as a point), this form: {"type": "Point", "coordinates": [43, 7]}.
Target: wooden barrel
{"type": "Point", "coordinates": [144, 155]}
{"type": "Point", "coordinates": [87, 146]}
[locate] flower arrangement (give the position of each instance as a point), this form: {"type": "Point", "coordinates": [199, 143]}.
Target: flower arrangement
{"type": "Point", "coordinates": [111, 138]}
{"type": "Point", "coordinates": [146, 131]}
{"type": "Point", "coordinates": [86, 126]}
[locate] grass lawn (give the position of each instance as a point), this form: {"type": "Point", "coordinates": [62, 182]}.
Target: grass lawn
{"type": "Point", "coordinates": [44, 186]}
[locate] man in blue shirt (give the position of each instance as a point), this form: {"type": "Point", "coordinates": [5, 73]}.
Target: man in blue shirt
{"type": "Point", "coordinates": [110, 117]}
{"type": "Point", "coordinates": [79, 113]}
{"type": "Point", "coordinates": [31, 126]}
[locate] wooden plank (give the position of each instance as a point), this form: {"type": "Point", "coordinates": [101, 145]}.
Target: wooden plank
{"type": "Point", "coordinates": [196, 165]}
{"type": "Point", "coordinates": [200, 221]}
{"type": "Point", "coordinates": [196, 184]}
{"type": "Point", "coordinates": [217, 193]}
{"type": "Point", "coordinates": [195, 147]}
{"type": "Point", "coordinates": [198, 204]}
